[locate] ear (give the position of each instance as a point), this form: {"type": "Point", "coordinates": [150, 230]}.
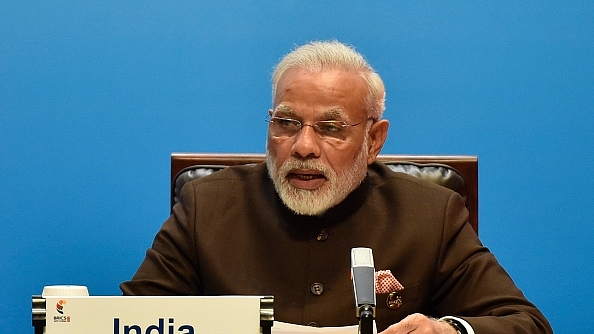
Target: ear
{"type": "Point", "coordinates": [377, 137]}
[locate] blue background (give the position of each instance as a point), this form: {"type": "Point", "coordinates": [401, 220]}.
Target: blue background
{"type": "Point", "coordinates": [95, 95]}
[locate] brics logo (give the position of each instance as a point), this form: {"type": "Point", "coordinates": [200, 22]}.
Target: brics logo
{"type": "Point", "coordinates": [60, 306]}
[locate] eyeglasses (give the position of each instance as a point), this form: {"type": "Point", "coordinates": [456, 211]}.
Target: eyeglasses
{"type": "Point", "coordinates": [287, 127]}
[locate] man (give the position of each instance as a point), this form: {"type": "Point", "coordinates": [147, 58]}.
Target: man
{"type": "Point", "coordinates": [285, 228]}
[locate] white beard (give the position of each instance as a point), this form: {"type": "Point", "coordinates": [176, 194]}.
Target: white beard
{"type": "Point", "coordinates": [316, 201]}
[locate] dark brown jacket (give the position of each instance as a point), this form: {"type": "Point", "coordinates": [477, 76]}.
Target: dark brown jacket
{"type": "Point", "coordinates": [231, 234]}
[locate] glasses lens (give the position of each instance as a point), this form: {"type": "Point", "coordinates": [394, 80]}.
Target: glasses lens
{"type": "Point", "coordinates": [331, 129]}
{"type": "Point", "coordinates": [284, 127]}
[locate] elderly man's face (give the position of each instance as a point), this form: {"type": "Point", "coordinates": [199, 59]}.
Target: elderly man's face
{"type": "Point", "coordinates": [315, 168]}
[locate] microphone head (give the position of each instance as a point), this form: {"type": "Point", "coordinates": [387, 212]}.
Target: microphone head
{"type": "Point", "coordinates": [361, 257]}
{"type": "Point", "coordinates": [363, 276]}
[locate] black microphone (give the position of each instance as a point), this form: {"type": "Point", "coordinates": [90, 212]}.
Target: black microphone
{"type": "Point", "coordinates": [363, 276]}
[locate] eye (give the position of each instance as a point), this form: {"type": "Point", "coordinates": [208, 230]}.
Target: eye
{"type": "Point", "coordinates": [287, 123]}
{"type": "Point", "coordinates": [329, 127]}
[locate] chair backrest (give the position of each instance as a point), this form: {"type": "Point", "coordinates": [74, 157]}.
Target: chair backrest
{"type": "Point", "coordinates": [459, 173]}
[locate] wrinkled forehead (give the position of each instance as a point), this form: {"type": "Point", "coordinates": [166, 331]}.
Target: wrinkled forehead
{"type": "Point", "coordinates": [331, 93]}
{"type": "Point", "coordinates": [351, 79]}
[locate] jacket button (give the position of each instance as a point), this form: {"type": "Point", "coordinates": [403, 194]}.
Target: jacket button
{"type": "Point", "coordinates": [323, 235]}
{"type": "Point", "coordinates": [317, 289]}
{"type": "Point", "coordinates": [394, 301]}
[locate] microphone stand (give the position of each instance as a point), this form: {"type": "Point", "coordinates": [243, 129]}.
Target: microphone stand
{"type": "Point", "coordinates": [366, 314]}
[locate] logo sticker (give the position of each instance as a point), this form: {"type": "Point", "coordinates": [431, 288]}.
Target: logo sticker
{"type": "Point", "coordinates": [60, 306]}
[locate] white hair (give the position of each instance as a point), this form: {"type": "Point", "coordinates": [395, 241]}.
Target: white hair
{"type": "Point", "coordinates": [320, 55]}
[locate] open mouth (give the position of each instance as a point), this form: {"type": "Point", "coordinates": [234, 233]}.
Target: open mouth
{"type": "Point", "coordinates": [306, 179]}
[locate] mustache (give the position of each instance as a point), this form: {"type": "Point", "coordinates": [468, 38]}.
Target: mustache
{"type": "Point", "coordinates": [293, 163]}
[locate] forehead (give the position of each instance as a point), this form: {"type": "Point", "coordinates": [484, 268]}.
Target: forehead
{"type": "Point", "coordinates": [332, 92]}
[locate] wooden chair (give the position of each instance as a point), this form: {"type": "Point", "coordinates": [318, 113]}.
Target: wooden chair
{"type": "Point", "coordinates": [456, 172]}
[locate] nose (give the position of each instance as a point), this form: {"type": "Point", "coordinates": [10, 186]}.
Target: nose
{"type": "Point", "coordinates": [306, 143]}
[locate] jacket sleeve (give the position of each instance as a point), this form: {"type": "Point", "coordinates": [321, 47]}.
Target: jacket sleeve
{"type": "Point", "coordinates": [473, 285]}
{"type": "Point", "coordinates": [170, 265]}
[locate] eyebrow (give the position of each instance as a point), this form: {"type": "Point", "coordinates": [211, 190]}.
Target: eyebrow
{"type": "Point", "coordinates": [284, 110]}
{"type": "Point", "coordinates": [335, 113]}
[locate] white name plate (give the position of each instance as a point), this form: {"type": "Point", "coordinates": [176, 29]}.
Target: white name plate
{"type": "Point", "coordinates": [152, 315]}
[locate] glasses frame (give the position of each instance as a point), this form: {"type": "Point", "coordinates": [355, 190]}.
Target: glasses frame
{"type": "Point", "coordinates": [316, 126]}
